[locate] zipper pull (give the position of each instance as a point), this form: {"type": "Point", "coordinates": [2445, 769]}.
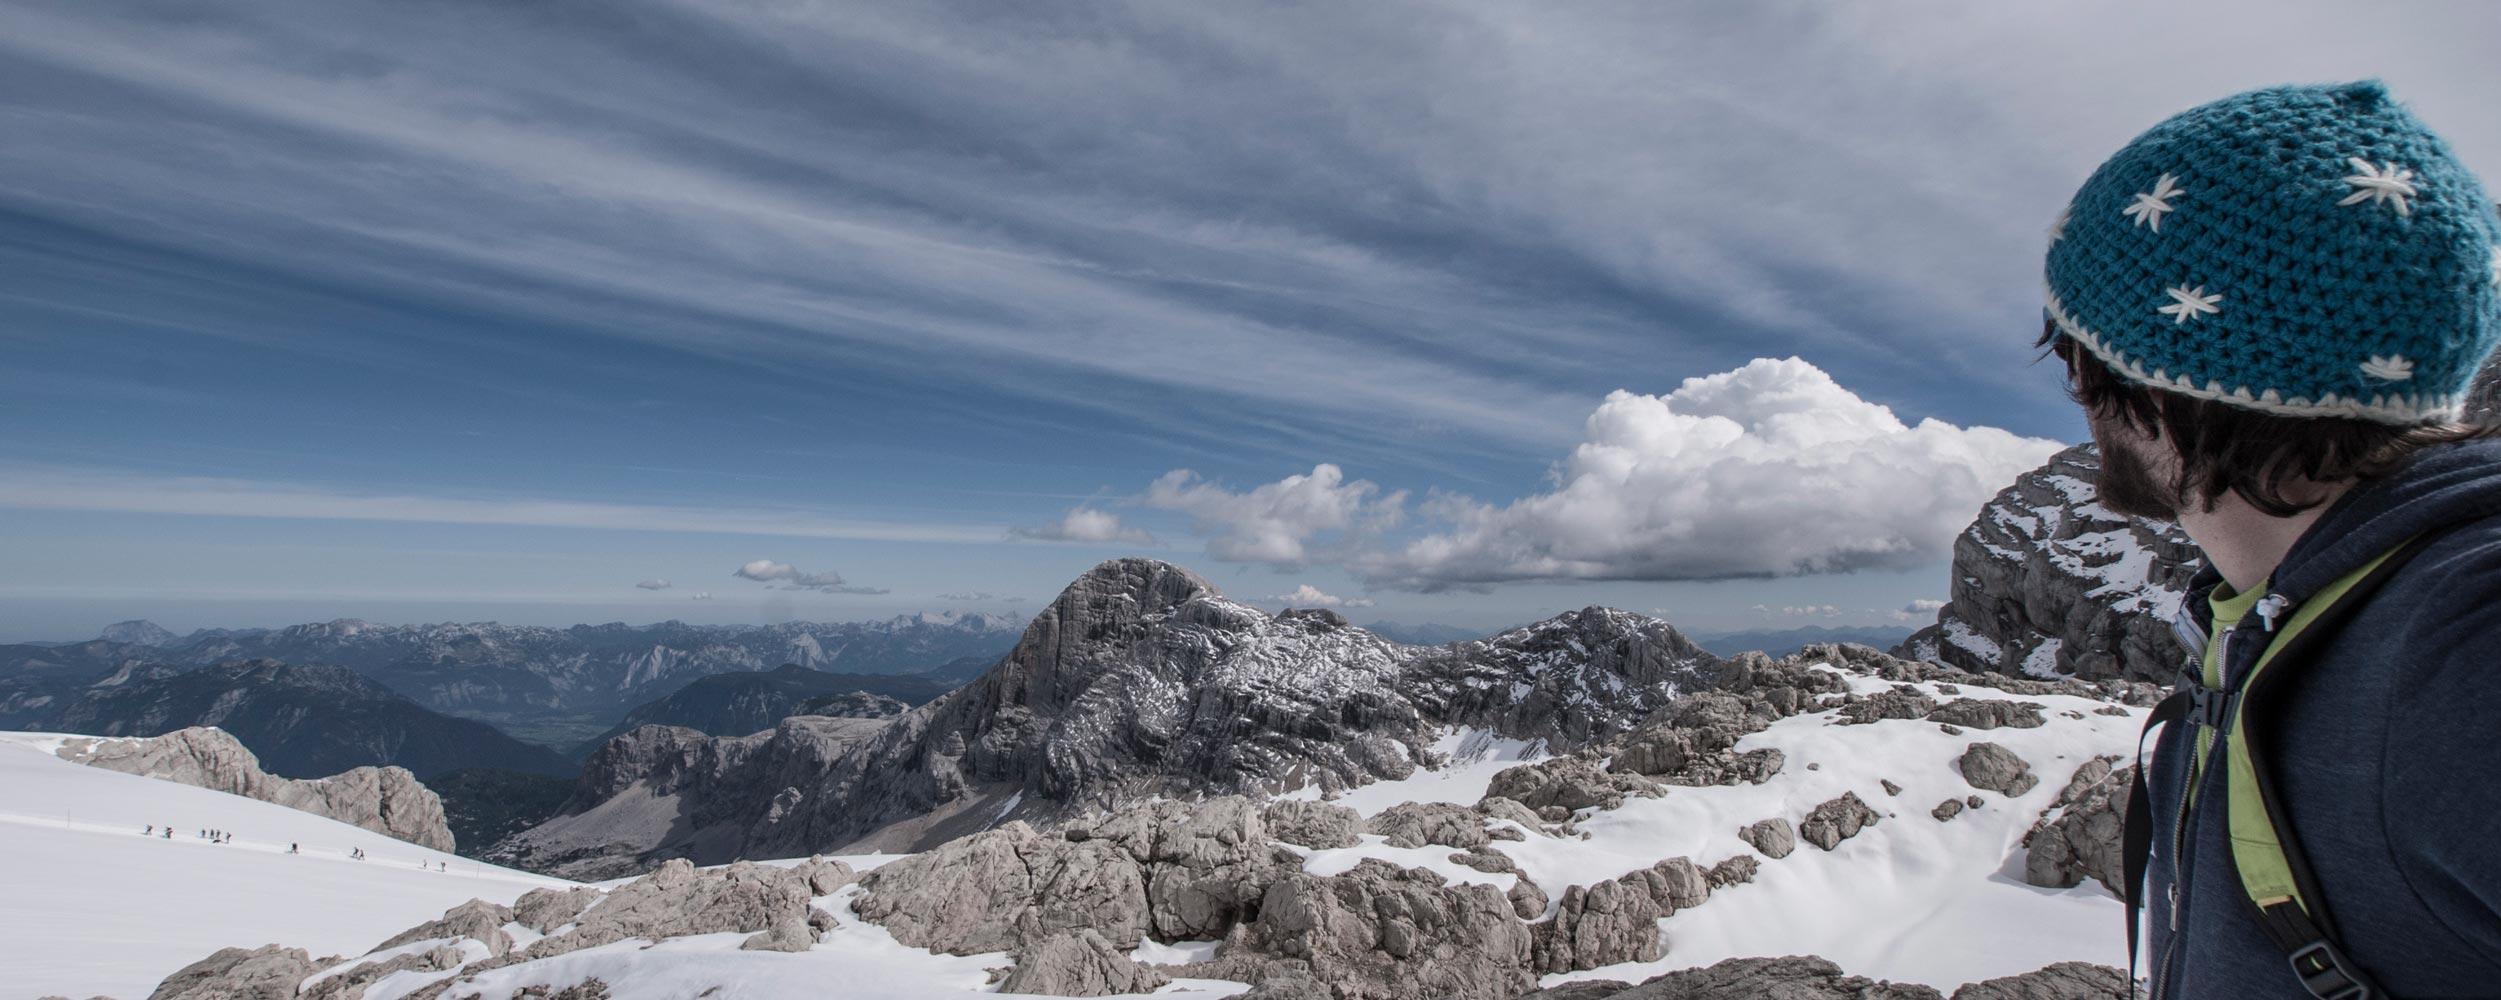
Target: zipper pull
{"type": "Point", "coordinates": [2269, 607]}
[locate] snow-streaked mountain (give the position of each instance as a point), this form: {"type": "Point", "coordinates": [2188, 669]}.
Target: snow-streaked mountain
{"type": "Point", "coordinates": [735, 704]}
{"type": "Point", "coordinates": [96, 905]}
{"type": "Point", "coordinates": [137, 632]}
{"type": "Point", "coordinates": [2048, 582]}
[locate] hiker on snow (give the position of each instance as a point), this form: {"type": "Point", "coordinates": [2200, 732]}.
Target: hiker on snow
{"type": "Point", "coordinates": [2271, 308]}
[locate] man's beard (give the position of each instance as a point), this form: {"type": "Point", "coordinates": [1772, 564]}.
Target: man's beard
{"type": "Point", "coordinates": [2127, 485]}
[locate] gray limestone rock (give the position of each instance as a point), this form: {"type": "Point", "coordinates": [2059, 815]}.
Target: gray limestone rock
{"type": "Point", "coordinates": [1947, 809]}
{"type": "Point", "coordinates": [1380, 932]}
{"type": "Point", "coordinates": [269, 972]}
{"type": "Point", "coordinates": [1889, 787]}
{"type": "Point", "coordinates": [1903, 702]}
{"type": "Point", "coordinates": [1415, 824]}
{"type": "Point", "coordinates": [1827, 825]}
{"type": "Point", "coordinates": [1528, 899]}
{"type": "Point", "coordinates": [386, 800]}
{"type": "Point", "coordinates": [350, 983]}
{"type": "Point", "coordinates": [1597, 925]}
{"type": "Point", "coordinates": [1736, 869]}
{"type": "Point", "coordinates": [2047, 579]}
{"type": "Point", "coordinates": [1988, 713]}
{"type": "Point", "coordinates": [1993, 768]}
{"type": "Point", "coordinates": [1316, 825]}
{"type": "Point", "coordinates": [1287, 985]}
{"type": "Point", "coordinates": [2080, 836]}
{"type": "Point", "coordinates": [544, 910]}
{"type": "Point", "coordinates": [677, 901]}
{"type": "Point", "coordinates": [1566, 783]}
{"type": "Point", "coordinates": [2063, 981]}
{"type": "Point", "coordinates": [1005, 888]}
{"type": "Point", "coordinates": [1080, 963]}
{"type": "Point", "coordinates": [476, 920]}
{"type": "Point", "coordinates": [1791, 978]}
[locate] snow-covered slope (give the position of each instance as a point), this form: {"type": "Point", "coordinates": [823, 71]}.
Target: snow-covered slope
{"type": "Point", "coordinates": [93, 905]}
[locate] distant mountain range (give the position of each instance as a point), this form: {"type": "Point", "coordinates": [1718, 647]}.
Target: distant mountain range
{"type": "Point", "coordinates": [302, 721]}
{"type": "Point", "coordinates": [1427, 634]}
{"type": "Point", "coordinates": [558, 686]}
{"type": "Point", "coordinates": [736, 704]}
{"type": "Point", "coordinates": [1783, 642]}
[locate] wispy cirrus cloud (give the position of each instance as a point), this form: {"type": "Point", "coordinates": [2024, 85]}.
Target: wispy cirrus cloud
{"type": "Point", "coordinates": [785, 576]}
{"type": "Point", "coordinates": [32, 487]}
{"type": "Point", "coordinates": [1085, 524]}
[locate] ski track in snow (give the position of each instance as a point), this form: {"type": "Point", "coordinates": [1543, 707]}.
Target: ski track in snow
{"type": "Point", "coordinates": [1909, 899]}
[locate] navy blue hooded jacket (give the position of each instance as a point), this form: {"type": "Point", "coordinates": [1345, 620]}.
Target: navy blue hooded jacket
{"type": "Point", "coordinates": [2387, 749]}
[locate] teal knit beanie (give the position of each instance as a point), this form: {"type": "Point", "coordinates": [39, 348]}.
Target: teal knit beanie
{"type": "Point", "coordinates": [2303, 251]}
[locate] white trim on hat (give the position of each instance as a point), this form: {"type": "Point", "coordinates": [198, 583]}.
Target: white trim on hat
{"type": "Point", "coordinates": [2386, 409]}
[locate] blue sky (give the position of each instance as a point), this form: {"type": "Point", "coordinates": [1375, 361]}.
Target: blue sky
{"type": "Point", "coordinates": [484, 311]}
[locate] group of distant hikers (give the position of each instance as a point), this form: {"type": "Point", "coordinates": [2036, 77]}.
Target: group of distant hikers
{"type": "Point", "coordinates": [227, 837]}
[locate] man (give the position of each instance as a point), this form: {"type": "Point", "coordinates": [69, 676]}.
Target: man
{"type": "Point", "coordinates": [2271, 308]}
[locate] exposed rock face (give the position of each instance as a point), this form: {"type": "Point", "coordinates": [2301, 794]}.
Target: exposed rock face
{"type": "Point", "coordinates": [1837, 820]}
{"type": "Point", "coordinates": [2063, 981]}
{"type": "Point", "coordinates": [1415, 824]}
{"type": "Point", "coordinates": [1078, 964]}
{"type": "Point", "coordinates": [1380, 932]}
{"type": "Point", "coordinates": [1617, 920]}
{"type": "Point", "coordinates": [269, 972]}
{"type": "Point", "coordinates": [1792, 978]}
{"type": "Point", "coordinates": [1773, 837]}
{"type": "Point", "coordinates": [2081, 836]}
{"type": "Point", "coordinates": [1007, 888]}
{"type": "Point", "coordinates": [2047, 583]}
{"type": "Point", "coordinates": [1139, 680]}
{"type": "Point", "coordinates": [1988, 713]}
{"type": "Point", "coordinates": [1993, 768]}
{"type": "Point", "coordinates": [386, 800]}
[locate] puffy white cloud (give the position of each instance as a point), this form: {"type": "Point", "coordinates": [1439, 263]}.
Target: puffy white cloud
{"type": "Point", "coordinates": [654, 584]}
{"type": "Point", "coordinates": [788, 577]}
{"type": "Point", "coordinates": [1276, 523]}
{"type": "Point", "coordinates": [1308, 596]}
{"type": "Point", "coordinates": [701, 595]}
{"type": "Point", "coordinates": [1923, 606]}
{"type": "Point", "coordinates": [1769, 470]}
{"type": "Point", "coordinates": [1086, 524]}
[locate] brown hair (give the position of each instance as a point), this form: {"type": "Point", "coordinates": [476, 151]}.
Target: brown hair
{"type": "Point", "coordinates": [2255, 455]}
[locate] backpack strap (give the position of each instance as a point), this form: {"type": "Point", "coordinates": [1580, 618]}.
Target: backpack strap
{"type": "Point", "coordinates": [2274, 874]}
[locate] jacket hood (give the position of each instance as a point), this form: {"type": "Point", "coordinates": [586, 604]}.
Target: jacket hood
{"type": "Point", "coordinates": [2438, 487]}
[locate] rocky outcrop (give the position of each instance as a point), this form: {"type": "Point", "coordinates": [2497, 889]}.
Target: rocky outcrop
{"type": "Point", "coordinates": [1792, 978]}
{"type": "Point", "coordinates": [386, 800]}
{"type": "Point", "coordinates": [1988, 713]}
{"type": "Point", "coordinates": [1139, 680]}
{"type": "Point", "coordinates": [2046, 582]}
{"type": "Point", "coordinates": [269, 972]}
{"type": "Point", "coordinates": [1827, 825]}
{"type": "Point", "coordinates": [1381, 932]}
{"type": "Point", "coordinates": [1078, 964]}
{"type": "Point", "coordinates": [2080, 836]}
{"type": "Point", "coordinates": [1993, 768]}
{"type": "Point", "coordinates": [2063, 981]}
{"type": "Point", "coordinates": [747, 701]}
{"type": "Point", "coordinates": [1773, 837]}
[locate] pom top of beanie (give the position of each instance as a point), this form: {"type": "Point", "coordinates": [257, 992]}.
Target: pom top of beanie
{"type": "Point", "coordinates": [2306, 250]}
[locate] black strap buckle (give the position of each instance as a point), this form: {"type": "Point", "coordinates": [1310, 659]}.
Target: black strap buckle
{"type": "Point", "coordinates": [2328, 975]}
{"type": "Point", "coordinates": [2210, 707]}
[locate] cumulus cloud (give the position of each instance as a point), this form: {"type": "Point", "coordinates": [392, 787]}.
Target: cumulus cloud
{"type": "Point", "coordinates": [1769, 470]}
{"type": "Point", "coordinates": [1277, 523]}
{"type": "Point", "coordinates": [1308, 596]}
{"type": "Point", "coordinates": [1920, 610]}
{"type": "Point", "coordinates": [784, 576]}
{"type": "Point", "coordinates": [654, 584]}
{"type": "Point", "coordinates": [1086, 524]}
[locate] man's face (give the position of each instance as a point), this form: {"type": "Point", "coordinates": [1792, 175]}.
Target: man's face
{"type": "Point", "coordinates": [2137, 472]}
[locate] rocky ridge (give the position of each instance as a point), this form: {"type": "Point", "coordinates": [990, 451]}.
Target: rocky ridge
{"type": "Point", "coordinates": [2048, 583]}
{"type": "Point", "coordinates": [1139, 680]}
{"type": "Point", "coordinates": [386, 800]}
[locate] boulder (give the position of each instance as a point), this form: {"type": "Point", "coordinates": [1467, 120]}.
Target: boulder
{"type": "Point", "coordinates": [1005, 888]}
{"type": "Point", "coordinates": [2063, 981]}
{"type": "Point", "coordinates": [1381, 932]}
{"type": "Point", "coordinates": [476, 920]}
{"type": "Point", "coordinates": [1415, 824]}
{"type": "Point", "coordinates": [1791, 978]}
{"type": "Point", "coordinates": [1598, 925]}
{"type": "Point", "coordinates": [1993, 768]}
{"type": "Point", "coordinates": [2080, 836]}
{"type": "Point", "coordinates": [1316, 825]}
{"type": "Point", "coordinates": [269, 972]}
{"type": "Point", "coordinates": [1080, 963]}
{"type": "Point", "coordinates": [1947, 809]}
{"type": "Point", "coordinates": [1903, 702]}
{"type": "Point", "coordinates": [1837, 820]}
{"type": "Point", "coordinates": [386, 800]}
{"type": "Point", "coordinates": [1567, 783]}
{"type": "Point", "coordinates": [1989, 713]}
{"type": "Point", "coordinates": [544, 910]}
